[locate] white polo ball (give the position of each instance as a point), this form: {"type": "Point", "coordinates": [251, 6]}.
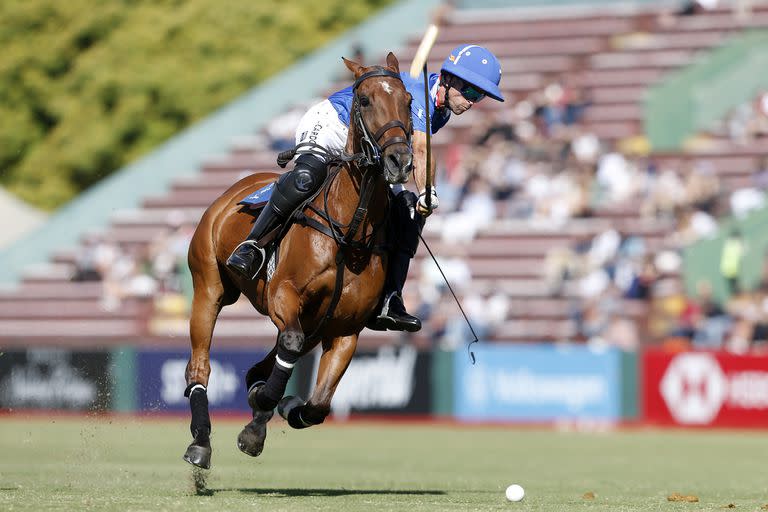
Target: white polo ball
{"type": "Point", "coordinates": [515, 492]}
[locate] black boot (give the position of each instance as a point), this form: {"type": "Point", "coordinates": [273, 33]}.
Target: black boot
{"type": "Point", "coordinates": [404, 229]}
{"type": "Point", "coordinates": [248, 258]}
{"type": "Point", "coordinates": [292, 189]}
{"type": "Point", "coordinates": [393, 315]}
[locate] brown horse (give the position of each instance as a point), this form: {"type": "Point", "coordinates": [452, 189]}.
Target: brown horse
{"type": "Point", "coordinates": [330, 272]}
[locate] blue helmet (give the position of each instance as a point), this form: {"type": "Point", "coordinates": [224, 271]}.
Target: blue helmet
{"type": "Point", "coordinates": [477, 66]}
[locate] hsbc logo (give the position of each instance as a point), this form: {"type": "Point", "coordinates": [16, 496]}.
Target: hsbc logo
{"type": "Point", "coordinates": [695, 388]}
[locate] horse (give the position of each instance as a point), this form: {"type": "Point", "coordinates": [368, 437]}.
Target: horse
{"type": "Point", "coordinates": [329, 276]}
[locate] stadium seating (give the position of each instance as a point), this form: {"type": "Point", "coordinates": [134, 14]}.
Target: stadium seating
{"type": "Point", "coordinates": [615, 56]}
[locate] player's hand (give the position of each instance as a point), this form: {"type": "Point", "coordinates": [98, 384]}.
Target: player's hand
{"type": "Point", "coordinates": [421, 204]}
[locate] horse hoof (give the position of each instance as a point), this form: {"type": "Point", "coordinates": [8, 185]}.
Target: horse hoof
{"type": "Point", "coordinates": [287, 404]}
{"type": "Point", "coordinates": [199, 456]}
{"type": "Point", "coordinates": [252, 437]}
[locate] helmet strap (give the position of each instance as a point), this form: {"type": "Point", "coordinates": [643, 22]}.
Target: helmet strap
{"type": "Point", "coordinates": [441, 101]}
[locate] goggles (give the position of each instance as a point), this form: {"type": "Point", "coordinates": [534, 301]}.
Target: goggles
{"type": "Point", "coordinates": [470, 93]}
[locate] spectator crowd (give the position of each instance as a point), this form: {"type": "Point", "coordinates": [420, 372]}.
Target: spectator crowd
{"type": "Point", "coordinates": [537, 164]}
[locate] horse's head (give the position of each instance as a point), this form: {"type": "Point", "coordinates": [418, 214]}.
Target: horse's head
{"type": "Point", "coordinates": [381, 119]}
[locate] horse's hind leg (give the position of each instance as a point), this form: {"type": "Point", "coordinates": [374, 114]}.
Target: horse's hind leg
{"type": "Point", "coordinates": [263, 396]}
{"type": "Point", "coordinates": [336, 357]}
{"type": "Point", "coordinates": [252, 437]}
{"type": "Point", "coordinates": [262, 393]}
{"type": "Point", "coordinates": [209, 298]}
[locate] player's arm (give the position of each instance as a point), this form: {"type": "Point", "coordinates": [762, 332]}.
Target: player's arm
{"type": "Point", "coordinates": [419, 143]}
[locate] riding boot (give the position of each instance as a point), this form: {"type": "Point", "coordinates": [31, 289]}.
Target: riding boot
{"type": "Point", "coordinates": [291, 190]}
{"type": "Point", "coordinates": [248, 258]}
{"type": "Point", "coordinates": [405, 226]}
{"type": "Point", "coordinates": [393, 315]}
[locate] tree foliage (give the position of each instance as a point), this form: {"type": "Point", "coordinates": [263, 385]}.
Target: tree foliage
{"type": "Point", "coordinates": [87, 86]}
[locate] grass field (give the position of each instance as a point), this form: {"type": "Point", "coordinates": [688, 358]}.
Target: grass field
{"type": "Point", "coordinates": [129, 465]}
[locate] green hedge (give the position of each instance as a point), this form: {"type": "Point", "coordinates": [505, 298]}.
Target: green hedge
{"type": "Point", "coordinates": [87, 86]}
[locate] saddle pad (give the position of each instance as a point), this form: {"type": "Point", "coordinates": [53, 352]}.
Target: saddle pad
{"type": "Point", "coordinates": [260, 197]}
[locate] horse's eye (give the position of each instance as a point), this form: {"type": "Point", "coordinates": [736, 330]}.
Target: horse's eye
{"type": "Point", "coordinates": [364, 101]}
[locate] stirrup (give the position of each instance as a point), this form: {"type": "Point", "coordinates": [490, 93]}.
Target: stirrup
{"type": "Point", "coordinates": [256, 248]}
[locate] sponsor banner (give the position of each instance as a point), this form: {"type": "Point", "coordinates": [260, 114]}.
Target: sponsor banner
{"type": "Point", "coordinates": [705, 389]}
{"type": "Point", "coordinates": [161, 380]}
{"type": "Point", "coordinates": [534, 383]}
{"type": "Point", "coordinates": [391, 380]}
{"type": "Point", "coordinates": [52, 378]}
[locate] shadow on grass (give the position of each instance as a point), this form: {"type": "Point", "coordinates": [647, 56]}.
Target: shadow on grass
{"type": "Point", "coordinates": [287, 492]}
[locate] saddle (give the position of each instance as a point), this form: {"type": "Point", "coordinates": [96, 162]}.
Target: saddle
{"type": "Point", "coordinates": [255, 202]}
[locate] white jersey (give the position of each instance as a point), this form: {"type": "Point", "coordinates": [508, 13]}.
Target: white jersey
{"type": "Point", "coordinates": [321, 125]}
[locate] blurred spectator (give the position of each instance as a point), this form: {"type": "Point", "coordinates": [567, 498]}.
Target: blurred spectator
{"type": "Point", "coordinates": [747, 199]}
{"type": "Point", "coordinates": [477, 210]}
{"type": "Point", "coordinates": [691, 7]}
{"type": "Point", "coordinates": [693, 225]}
{"type": "Point", "coordinates": [94, 258]}
{"type": "Point", "coordinates": [731, 258]}
{"type": "Point", "coordinates": [431, 283]}
{"type": "Point", "coordinates": [282, 129]}
{"type": "Point", "coordinates": [713, 323]}
{"type": "Point", "coordinates": [702, 186]}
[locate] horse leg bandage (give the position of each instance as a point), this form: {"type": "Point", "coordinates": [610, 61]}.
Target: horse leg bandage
{"type": "Point", "coordinates": [305, 416]}
{"type": "Point", "coordinates": [274, 389]}
{"type": "Point", "coordinates": [198, 404]}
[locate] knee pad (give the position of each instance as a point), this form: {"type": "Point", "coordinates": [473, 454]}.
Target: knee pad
{"type": "Point", "coordinates": [299, 184]}
{"type": "Point", "coordinates": [311, 172]}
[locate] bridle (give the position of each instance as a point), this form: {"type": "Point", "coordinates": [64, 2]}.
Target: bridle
{"type": "Point", "coordinates": [370, 143]}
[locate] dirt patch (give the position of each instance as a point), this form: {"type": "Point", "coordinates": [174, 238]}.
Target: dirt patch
{"type": "Point", "coordinates": [676, 496]}
{"type": "Point", "coordinates": [200, 481]}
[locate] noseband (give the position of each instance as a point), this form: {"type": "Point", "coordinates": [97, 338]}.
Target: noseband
{"type": "Point", "coordinates": [371, 147]}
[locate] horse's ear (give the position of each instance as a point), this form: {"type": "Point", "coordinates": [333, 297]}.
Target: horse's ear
{"type": "Point", "coordinates": [354, 67]}
{"type": "Point", "coordinates": [393, 63]}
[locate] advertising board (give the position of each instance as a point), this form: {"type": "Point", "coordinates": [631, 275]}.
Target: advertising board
{"type": "Point", "coordinates": [705, 389]}
{"type": "Point", "coordinates": [52, 378]}
{"type": "Point", "coordinates": [390, 380]}
{"type": "Point", "coordinates": [161, 380]}
{"type": "Point", "coordinates": [538, 383]}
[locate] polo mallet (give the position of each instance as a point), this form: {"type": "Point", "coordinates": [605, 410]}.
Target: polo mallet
{"type": "Point", "coordinates": [420, 64]}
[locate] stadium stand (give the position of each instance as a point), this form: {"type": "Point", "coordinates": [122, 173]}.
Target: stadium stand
{"type": "Point", "coordinates": [520, 290]}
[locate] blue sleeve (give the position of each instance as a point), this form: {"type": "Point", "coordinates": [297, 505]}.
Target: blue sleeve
{"type": "Point", "coordinates": [418, 116]}
{"type": "Point", "coordinates": [418, 111]}
{"type": "Point", "coordinates": [342, 102]}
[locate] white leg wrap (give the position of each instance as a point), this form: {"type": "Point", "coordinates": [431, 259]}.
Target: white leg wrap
{"type": "Point", "coordinates": [287, 366]}
{"type": "Point", "coordinates": [197, 386]}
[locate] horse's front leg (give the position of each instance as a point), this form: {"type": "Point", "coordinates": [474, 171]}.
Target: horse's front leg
{"type": "Point", "coordinates": [337, 354]}
{"type": "Point", "coordinates": [206, 304]}
{"type": "Point", "coordinates": [263, 395]}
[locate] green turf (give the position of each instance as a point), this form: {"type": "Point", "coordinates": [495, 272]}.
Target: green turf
{"type": "Point", "coordinates": [130, 465]}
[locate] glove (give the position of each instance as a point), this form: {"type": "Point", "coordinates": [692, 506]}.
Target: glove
{"type": "Point", "coordinates": [421, 204]}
